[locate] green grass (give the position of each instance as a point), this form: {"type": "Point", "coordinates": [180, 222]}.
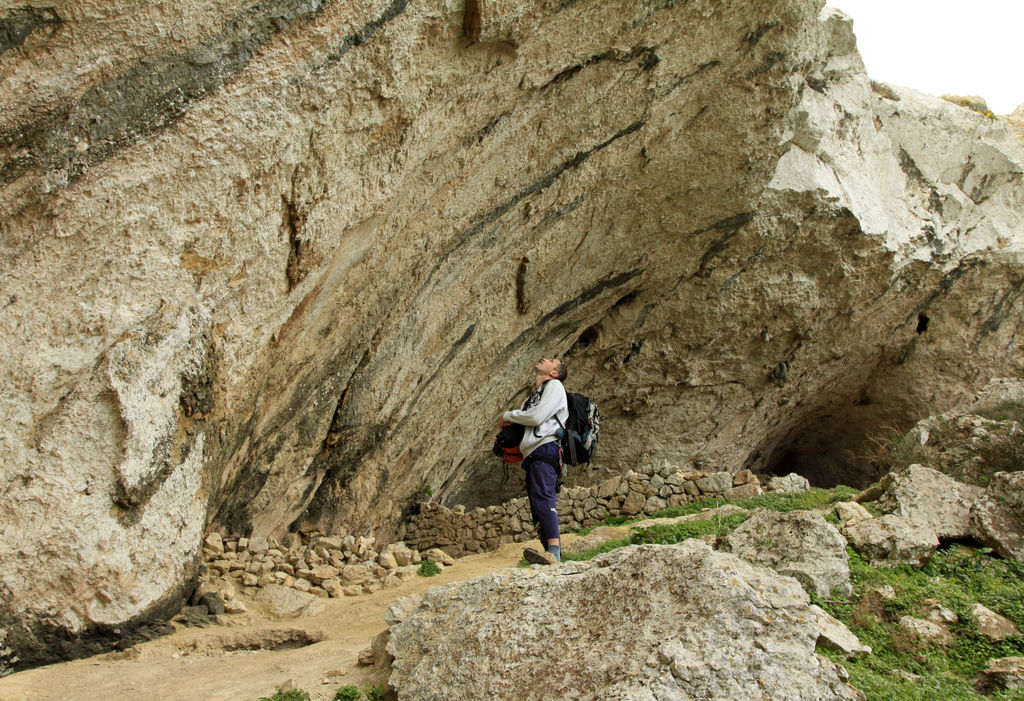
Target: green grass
{"type": "Point", "coordinates": [594, 552]}
{"type": "Point", "coordinates": [956, 578]}
{"type": "Point", "coordinates": [799, 501]}
{"type": "Point", "coordinates": [670, 534]}
{"type": "Point", "coordinates": [714, 525]}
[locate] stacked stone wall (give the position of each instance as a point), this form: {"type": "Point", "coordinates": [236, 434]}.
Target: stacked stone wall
{"type": "Point", "coordinates": [654, 487]}
{"type": "Point", "coordinates": [325, 566]}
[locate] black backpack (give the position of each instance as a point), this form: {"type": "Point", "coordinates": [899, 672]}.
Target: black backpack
{"type": "Point", "coordinates": [579, 435]}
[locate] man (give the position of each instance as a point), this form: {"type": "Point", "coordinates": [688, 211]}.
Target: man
{"type": "Point", "coordinates": [543, 414]}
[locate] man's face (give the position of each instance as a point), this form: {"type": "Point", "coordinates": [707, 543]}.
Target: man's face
{"type": "Point", "coordinates": [548, 366]}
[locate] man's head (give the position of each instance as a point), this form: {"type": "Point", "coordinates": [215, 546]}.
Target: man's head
{"type": "Point", "coordinates": [552, 368]}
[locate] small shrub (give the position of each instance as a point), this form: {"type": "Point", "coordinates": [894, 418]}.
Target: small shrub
{"type": "Point", "coordinates": [973, 103]}
{"type": "Point", "coordinates": [1003, 451]}
{"type": "Point", "coordinates": [347, 693]}
{"type": "Point", "coordinates": [428, 568]}
{"type": "Point", "coordinates": [290, 695]}
{"type": "Point", "coordinates": [377, 693]}
{"type": "Point", "coordinates": [891, 449]}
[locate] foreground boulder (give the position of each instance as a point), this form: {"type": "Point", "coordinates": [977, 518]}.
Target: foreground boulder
{"type": "Point", "coordinates": [997, 519]}
{"type": "Point", "coordinates": [799, 544]}
{"type": "Point", "coordinates": [892, 540]}
{"type": "Point", "coordinates": [643, 622]}
{"type": "Point", "coordinates": [931, 500]}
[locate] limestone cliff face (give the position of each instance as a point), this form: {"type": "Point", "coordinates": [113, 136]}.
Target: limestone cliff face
{"type": "Point", "coordinates": [281, 264]}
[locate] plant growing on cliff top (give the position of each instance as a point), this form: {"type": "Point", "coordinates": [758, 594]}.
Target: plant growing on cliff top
{"type": "Point", "coordinates": [975, 104]}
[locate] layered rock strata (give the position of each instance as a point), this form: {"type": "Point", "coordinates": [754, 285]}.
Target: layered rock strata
{"type": "Point", "coordinates": [281, 265]}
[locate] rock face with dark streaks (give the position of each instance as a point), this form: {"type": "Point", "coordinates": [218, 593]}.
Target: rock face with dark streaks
{"type": "Point", "coordinates": [280, 265]}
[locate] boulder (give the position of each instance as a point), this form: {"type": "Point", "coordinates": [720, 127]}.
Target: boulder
{"type": "Point", "coordinates": [641, 622]}
{"type": "Point", "coordinates": [930, 499]}
{"type": "Point", "coordinates": [1003, 673]}
{"type": "Point", "coordinates": [991, 624]}
{"type": "Point", "coordinates": [715, 483]}
{"type": "Point", "coordinates": [800, 544]}
{"type": "Point", "coordinates": [926, 632]}
{"type": "Point", "coordinates": [401, 552]}
{"type": "Point", "coordinates": [743, 491]}
{"type": "Point", "coordinates": [892, 540]}
{"type": "Point", "coordinates": [851, 512]}
{"type": "Point", "coordinates": [282, 602]}
{"type": "Point", "coordinates": [834, 635]}
{"type": "Point", "coordinates": [439, 556]}
{"type": "Point", "coordinates": [997, 519]}
{"type": "Point", "coordinates": [355, 574]}
{"type": "Point", "coordinates": [789, 484]}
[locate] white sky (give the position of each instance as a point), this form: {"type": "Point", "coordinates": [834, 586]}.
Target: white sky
{"type": "Point", "coordinates": [958, 47]}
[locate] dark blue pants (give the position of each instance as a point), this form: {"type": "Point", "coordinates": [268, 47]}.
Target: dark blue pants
{"type": "Point", "coordinates": [541, 481]}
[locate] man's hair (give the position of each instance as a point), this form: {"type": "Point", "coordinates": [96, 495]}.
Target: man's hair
{"type": "Point", "coordinates": [563, 371]}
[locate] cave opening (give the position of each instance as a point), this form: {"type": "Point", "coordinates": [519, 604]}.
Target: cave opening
{"type": "Point", "coordinates": [829, 449]}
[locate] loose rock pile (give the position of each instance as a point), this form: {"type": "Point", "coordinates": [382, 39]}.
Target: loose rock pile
{"type": "Point", "coordinates": [926, 507]}
{"type": "Point", "coordinates": [326, 566]}
{"type": "Point", "coordinates": [653, 488]}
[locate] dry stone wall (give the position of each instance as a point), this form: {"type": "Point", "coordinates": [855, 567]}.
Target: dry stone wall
{"type": "Point", "coordinates": [652, 488]}
{"type": "Point", "coordinates": [317, 565]}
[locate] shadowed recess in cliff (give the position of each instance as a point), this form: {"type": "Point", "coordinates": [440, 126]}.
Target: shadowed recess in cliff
{"type": "Point", "coordinates": [21, 22]}
{"type": "Point", "coordinates": [834, 440]}
{"type": "Point", "coordinates": [156, 93]}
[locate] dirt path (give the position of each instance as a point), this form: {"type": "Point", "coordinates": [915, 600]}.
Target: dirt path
{"type": "Point", "coordinates": [204, 663]}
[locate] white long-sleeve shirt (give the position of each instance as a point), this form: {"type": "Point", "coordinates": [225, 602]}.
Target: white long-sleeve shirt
{"type": "Point", "coordinates": [538, 415]}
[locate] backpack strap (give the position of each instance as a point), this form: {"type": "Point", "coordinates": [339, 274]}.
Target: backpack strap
{"type": "Point", "coordinates": [569, 439]}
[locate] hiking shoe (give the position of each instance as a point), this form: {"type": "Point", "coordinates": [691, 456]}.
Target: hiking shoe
{"type": "Point", "coordinates": [535, 557]}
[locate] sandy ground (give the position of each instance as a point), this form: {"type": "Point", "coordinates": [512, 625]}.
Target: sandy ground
{"type": "Point", "coordinates": [198, 663]}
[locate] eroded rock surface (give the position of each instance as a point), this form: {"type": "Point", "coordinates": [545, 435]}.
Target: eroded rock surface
{"type": "Point", "coordinates": [799, 544]}
{"type": "Point", "coordinates": [653, 622]}
{"type": "Point", "coordinates": [997, 519]}
{"type": "Point", "coordinates": [892, 540]}
{"type": "Point", "coordinates": [280, 265]}
{"type": "Point", "coordinates": [931, 500]}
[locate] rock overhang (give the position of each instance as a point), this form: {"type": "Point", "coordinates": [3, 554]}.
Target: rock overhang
{"type": "Point", "coordinates": [375, 222]}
